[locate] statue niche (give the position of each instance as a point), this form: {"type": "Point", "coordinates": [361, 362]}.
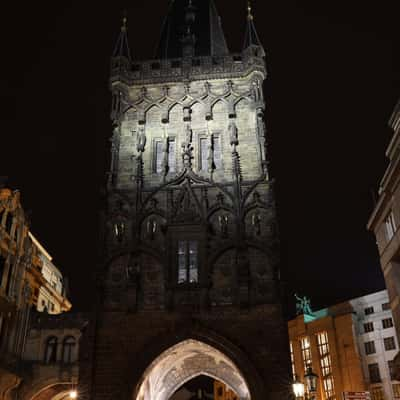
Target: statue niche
{"type": "Point", "coordinates": [223, 279]}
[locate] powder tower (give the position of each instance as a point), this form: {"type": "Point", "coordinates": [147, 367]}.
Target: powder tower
{"type": "Point", "coordinates": [190, 268]}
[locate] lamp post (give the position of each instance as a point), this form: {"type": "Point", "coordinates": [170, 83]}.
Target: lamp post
{"type": "Point", "coordinates": [308, 390]}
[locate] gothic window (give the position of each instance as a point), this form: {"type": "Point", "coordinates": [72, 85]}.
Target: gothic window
{"type": "Point", "coordinates": [158, 151]}
{"type": "Point", "coordinates": [50, 355]}
{"type": "Point", "coordinates": [187, 261]}
{"type": "Point", "coordinates": [171, 155]}
{"type": "Point", "coordinates": [69, 344]}
{"type": "Point", "coordinates": [204, 150]}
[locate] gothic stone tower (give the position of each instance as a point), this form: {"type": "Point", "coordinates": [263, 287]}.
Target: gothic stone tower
{"type": "Point", "coordinates": [190, 279]}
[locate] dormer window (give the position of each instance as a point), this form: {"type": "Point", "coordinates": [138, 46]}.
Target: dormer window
{"type": "Point", "coordinates": [188, 261]}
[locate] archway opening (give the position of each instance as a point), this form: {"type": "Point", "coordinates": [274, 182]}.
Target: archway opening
{"type": "Point", "coordinates": [203, 387]}
{"type": "Point", "coordinates": [184, 362]}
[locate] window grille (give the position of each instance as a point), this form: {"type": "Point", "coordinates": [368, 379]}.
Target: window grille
{"type": "Point", "coordinates": [387, 323]}
{"type": "Point", "coordinates": [389, 343]}
{"type": "Point", "coordinates": [369, 347]}
{"type": "Point", "coordinates": [368, 327]}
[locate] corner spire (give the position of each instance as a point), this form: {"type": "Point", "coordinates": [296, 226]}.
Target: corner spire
{"type": "Point", "coordinates": [251, 38]}
{"type": "Point", "coordinates": [121, 48]}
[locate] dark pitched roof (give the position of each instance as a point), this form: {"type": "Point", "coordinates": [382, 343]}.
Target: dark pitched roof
{"type": "Point", "coordinates": [121, 48]}
{"type": "Point", "coordinates": [206, 28]}
{"type": "Point", "coordinates": [251, 37]}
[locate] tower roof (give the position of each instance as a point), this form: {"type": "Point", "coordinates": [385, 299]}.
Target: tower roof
{"type": "Point", "coordinates": [251, 37]}
{"type": "Point", "coordinates": [203, 24]}
{"type": "Point", "coordinates": [121, 48]}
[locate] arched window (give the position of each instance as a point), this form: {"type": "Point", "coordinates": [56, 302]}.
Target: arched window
{"type": "Point", "coordinates": [69, 344]}
{"type": "Point", "coordinates": [50, 354]}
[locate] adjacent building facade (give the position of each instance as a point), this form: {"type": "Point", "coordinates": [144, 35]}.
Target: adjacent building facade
{"type": "Point", "coordinates": [23, 282]}
{"type": "Point", "coordinates": [385, 221]}
{"type": "Point", "coordinates": [351, 347]}
{"type": "Point", "coordinates": [189, 274]}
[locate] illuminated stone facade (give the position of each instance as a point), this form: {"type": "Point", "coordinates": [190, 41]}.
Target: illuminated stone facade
{"type": "Point", "coordinates": [189, 276]}
{"type": "Point", "coordinates": [22, 283]}
{"type": "Point", "coordinates": [385, 221]}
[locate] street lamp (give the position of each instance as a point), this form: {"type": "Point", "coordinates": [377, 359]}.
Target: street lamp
{"type": "Point", "coordinates": [73, 394]}
{"type": "Point", "coordinates": [311, 381]}
{"type": "Point", "coordinates": [298, 388]}
{"type": "Point", "coordinates": [309, 389]}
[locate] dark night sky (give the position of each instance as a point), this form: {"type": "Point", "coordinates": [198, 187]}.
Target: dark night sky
{"type": "Point", "coordinates": [334, 80]}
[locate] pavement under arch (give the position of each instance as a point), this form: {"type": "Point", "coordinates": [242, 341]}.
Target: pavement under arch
{"type": "Point", "coordinates": [184, 361]}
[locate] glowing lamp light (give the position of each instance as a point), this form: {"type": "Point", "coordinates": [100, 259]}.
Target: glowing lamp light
{"type": "Point", "coordinates": [73, 394]}
{"type": "Point", "coordinates": [298, 388]}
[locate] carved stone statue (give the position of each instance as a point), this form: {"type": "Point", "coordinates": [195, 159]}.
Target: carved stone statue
{"type": "Point", "coordinates": [141, 140]}
{"type": "Point", "coordinates": [188, 134]}
{"type": "Point", "coordinates": [233, 133]}
{"type": "Point", "coordinates": [187, 155]}
{"type": "Point", "coordinates": [223, 224]}
{"type": "Point", "coordinates": [151, 228]}
{"type": "Point", "coordinates": [256, 221]}
{"type": "Point", "coordinates": [303, 305]}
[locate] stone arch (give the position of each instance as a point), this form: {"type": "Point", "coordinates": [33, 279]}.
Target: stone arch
{"type": "Point", "coordinates": [182, 362]}
{"type": "Point", "coordinates": [48, 389]}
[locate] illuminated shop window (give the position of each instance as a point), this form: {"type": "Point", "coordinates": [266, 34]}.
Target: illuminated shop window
{"type": "Point", "coordinates": [306, 352]}
{"type": "Point", "coordinates": [326, 365]}
{"type": "Point", "coordinates": [187, 261]}
{"type": "Point", "coordinates": [396, 390]}
{"type": "Point", "coordinates": [377, 393]}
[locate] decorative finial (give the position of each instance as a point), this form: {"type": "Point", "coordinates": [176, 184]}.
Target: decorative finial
{"type": "Point", "coordinates": [249, 10]}
{"type": "Point", "coordinates": [124, 21]}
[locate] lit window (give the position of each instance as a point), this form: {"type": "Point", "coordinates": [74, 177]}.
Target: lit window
{"type": "Point", "coordinates": [292, 361]}
{"type": "Point", "coordinates": [387, 323]}
{"type": "Point", "coordinates": [389, 343]}
{"type": "Point", "coordinates": [377, 393]}
{"type": "Point", "coordinates": [326, 365]}
{"type": "Point", "coordinates": [306, 352]}
{"type": "Point", "coordinates": [369, 347]}
{"type": "Point", "coordinates": [385, 306]}
{"type": "Point", "coordinates": [374, 374]}
{"type": "Point", "coordinates": [369, 310]}
{"type": "Point", "coordinates": [68, 349]}
{"type": "Point", "coordinates": [50, 355]}
{"type": "Point", "coordinates": [396, 390]}
{"type": "Point", "coordinates": [368, 327]}
{"type": "Point", "coordinates": [187, 261]}
{"type": "Point", "coordinates": [390, 225]}
{"type": "Point", "coordinates": [159, 156]}
{"type": "Point", "coordinates": [171, 155]}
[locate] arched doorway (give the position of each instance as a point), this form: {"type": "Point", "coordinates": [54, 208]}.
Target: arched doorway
{"type": "Point", "coordinates": [185, 361]}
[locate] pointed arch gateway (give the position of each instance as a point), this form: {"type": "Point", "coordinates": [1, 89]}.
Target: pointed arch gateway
{"type": "Point", "coordinates": [184, 361]}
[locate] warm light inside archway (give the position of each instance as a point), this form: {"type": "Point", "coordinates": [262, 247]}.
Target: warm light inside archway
{"type": "Point", "coordinates": [184, 361]}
